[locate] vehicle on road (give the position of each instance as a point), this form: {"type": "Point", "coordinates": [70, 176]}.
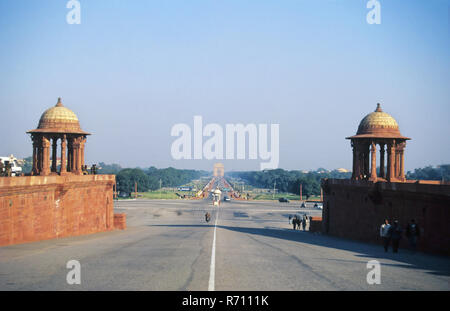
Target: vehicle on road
{"type": "Point", "coordinates": [124, 195]}
{"type": "Point", "coordinates": [303, 205]}
{"type": "Point", "coordinates": [318, 205]}
{"type": "Point", "coordinates": [283, 200]}
{"type": "Point", "coordinates": [15, 168]}
{"type": "Point", "coordinates": [226, 199]}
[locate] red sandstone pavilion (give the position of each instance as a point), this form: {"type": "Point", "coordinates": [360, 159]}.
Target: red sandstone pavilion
{"type": "Point", "coordinates": [51, 203]}
{"type": "Point", "coordinates": [356, 208]}
{"type": "Point", "coordinates": [58, 123]}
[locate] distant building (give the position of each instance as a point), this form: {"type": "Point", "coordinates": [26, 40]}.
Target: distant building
{"type": "Point", "coordinates": [218, 170]}
{"type": "Point", "coordinates": [342, 170]}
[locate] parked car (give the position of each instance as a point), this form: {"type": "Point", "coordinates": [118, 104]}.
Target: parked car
{"type": "Point", "coordinates": [283, 200]}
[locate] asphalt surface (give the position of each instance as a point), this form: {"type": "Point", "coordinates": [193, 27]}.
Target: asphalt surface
{"type": "Point", "coordinates": [168, 245]}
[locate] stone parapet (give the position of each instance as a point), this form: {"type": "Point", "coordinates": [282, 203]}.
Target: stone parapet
{"type": "Point", "coordinates": [355, 209]}
{"type": "Point", "coordinates": [34, 208]}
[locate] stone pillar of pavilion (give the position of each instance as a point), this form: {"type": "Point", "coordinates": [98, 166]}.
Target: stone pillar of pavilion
{"type": "Point", "coordinates": [77, 155]}
{"type": "Point", "coordinates": [401, 157]}
{"type": "Point", "coordinates": [373, 162]}
{"type": "Point", "coordinates": [382, 161]}
{"type": "Point", "coordinates": [58, 122]}
{"type": "Point", "coordinates": [35, 157]}
{"type": "Point", "coordinates": [45, 166]}
{"type": "Point", "coordinates": [355, 157]}
{"type": "Point", "coordinates": [378, 128]}
{"type": "Point", "coordinates": [391, 162]}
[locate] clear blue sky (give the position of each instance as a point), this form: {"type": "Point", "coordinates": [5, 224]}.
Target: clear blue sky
{"type": "Point", "coordinates": [133, 69]}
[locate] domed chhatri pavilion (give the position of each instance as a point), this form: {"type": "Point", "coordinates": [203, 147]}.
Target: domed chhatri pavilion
{"type": "Point", "coordinates": [58, 123]}
{"type": "Point", "coordinates": [55, 203]}
{"type": "Point", "coordinates": [378, 129]}
{"type": "Point", "coordinates": [378, 190]}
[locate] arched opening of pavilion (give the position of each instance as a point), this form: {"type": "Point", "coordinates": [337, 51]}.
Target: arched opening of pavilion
{"type": "Point", "coordinates": [58, 124]}
{"type": "Point", "coordinates": [378, 129]}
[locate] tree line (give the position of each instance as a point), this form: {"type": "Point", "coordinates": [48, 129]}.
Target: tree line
{"type": "Point", "coordinates": [150, 178]}
{"type": "Point", "coordinates": [441, 172]}
{"type": "Point", "coordinates": [288, 181]}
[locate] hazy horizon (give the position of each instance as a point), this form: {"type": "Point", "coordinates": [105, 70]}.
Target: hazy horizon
{"type": "Point", "coordinates": [132, 70]}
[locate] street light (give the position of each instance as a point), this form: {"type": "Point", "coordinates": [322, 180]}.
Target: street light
{"type": "Point", "coordinates": [273, 194]}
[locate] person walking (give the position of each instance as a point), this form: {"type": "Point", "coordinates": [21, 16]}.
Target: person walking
{"type": "Point", "coordinates": [413, 234]}
{"type": "Point", "coordinates": [385, 234]}
{"type": "Point", "coordinates": [396, 235]}
{"type": "Point", "coordinates": [304, 222]}
{"type": "Point", "coordinates": [294, 222]}
{"type": "Point", "coordinates": [207, 217]}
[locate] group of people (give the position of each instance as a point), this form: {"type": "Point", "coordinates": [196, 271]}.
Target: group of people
{"type": "Point", "coordinates": [5, 169]}
{"type": "Point", "coordinates": [393, 233]}
{"type": "Point", "coordinates": [85, 170]}
{"type": "Point", "coordinates": [299, 222]}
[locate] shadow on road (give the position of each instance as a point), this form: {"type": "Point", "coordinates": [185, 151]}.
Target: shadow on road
{"type": "Point", "coordinates": [436, 265]}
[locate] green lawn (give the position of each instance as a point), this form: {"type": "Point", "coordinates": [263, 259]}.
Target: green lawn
{"type": "Point", "coordinates": [289, 196]}
{"type": "Point", "coordinates": [269, 196]}
{"type": "Point", "coordinates": [168, 195]}
{"type": "Point", "coordinates": [164, 194]}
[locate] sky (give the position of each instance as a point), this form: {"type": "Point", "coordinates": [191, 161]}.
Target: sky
{"type": "Point", "coordinates": [131, 70]}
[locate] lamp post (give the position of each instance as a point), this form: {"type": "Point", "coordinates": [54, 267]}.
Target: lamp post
{"type": "Point", "coordinates": [273, 194]}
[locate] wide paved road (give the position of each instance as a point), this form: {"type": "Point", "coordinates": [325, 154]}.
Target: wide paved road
{"type": "Point", "coordinates": [246, 246]}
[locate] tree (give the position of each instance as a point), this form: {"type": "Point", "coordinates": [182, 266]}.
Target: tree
{"type": "Point", "coordinates": [127, 178]}
{"type": "Point", "coordinates": [441, 172]}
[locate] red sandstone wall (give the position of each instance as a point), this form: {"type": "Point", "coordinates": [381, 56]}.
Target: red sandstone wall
{"type": "Point", "coordinates": [356, 209]}
{"type": "Point", "coordinates": [120, 221]}
{"type": "Point", "coordinates": [36, 208]}
{"type": "Point", "coordinates": [315, 224]}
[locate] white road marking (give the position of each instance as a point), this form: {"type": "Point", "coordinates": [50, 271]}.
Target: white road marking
{"type": "Point", "coordinates": [212, 268]}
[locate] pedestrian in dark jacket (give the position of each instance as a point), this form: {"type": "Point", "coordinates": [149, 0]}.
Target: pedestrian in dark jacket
{"type": "Point", "coordinates": [207, 217]}
{"type": "Point", "coordinates": [304, 222]}
{"type": "Point", "coordinates": [396, 235]}
{"type": "Point", "coordinates": [413, 234]}
{"type": "Point", "coordinates": [385, 234]}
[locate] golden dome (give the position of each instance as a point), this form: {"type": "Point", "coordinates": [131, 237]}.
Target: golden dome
{"type": "Point", "coordinates": [378, 124]}
{"type": "Point", "coordinates": [378, 121]}
{"type": "Point", "coordinates": [59, 119]}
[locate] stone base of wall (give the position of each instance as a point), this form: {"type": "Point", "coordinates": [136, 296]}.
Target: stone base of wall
{"type": "Point", "coordinates": [34, 208]}
{"type": "Point", "coordinates": [356, 210]}
{"type": "Point", "coordinates": [120, 221]}
{"type": "Point", "coordinates": [315, 224]}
